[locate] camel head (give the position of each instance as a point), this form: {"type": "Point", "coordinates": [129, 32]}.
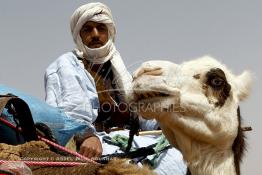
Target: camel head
{"type": "Point", "coordinates": [196, 104]}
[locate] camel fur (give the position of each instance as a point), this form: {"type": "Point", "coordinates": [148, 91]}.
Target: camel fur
{"type": "Point", "coordinates": [38, 150]}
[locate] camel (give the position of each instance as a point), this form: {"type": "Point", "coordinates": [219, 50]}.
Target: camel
{"type": "Point", "coordinates": [197, 106]}
{"type": "Point", "coordinates": [36, 151]}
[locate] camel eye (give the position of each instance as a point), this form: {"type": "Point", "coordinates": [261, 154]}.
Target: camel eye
{"type": "Point", "coordinates": [217, 82]}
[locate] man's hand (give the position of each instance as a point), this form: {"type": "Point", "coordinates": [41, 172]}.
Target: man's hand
{"type": "Point", "coordinates": [91, 147]}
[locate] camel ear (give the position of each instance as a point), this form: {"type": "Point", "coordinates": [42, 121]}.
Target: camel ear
{"type": "Point", "coordinates": [244, 84]}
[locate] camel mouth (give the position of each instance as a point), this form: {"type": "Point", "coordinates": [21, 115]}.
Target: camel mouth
{"type": "Point", "coordinates": [141, 96]}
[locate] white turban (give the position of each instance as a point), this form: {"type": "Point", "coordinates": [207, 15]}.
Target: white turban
{"type": "Point", "coordinates": [100, 13]}
{"type": "Point", "coordinates": [96, 12]}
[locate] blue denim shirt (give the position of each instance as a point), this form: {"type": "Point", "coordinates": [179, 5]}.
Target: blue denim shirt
{"type": "Point", "coordinates": [72, 89]}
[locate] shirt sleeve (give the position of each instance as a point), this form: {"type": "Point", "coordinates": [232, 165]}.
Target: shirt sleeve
{"type": "Point", "coordinates": [65, 89]}
{"type": "Point", "coordinates": [51, 89]}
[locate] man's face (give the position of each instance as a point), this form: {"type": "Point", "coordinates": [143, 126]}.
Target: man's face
{"type": "Point", "coordinates": [93, 34]}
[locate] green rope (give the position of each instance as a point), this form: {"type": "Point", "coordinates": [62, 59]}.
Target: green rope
{"type": "Point", "coordinates": [121, 141]}
{"type": "Point", "coordinates": [162, 143]}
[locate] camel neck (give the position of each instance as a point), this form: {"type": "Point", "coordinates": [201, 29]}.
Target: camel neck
{"type": "Point", "coordinates": [218, 164]}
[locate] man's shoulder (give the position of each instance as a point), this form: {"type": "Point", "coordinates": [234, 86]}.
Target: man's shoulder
{"type": "Point", "coordinates": [64, 61]}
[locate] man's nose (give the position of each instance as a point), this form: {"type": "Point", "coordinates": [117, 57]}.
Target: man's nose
{"type": "Point", "coordinates": [95, 32]}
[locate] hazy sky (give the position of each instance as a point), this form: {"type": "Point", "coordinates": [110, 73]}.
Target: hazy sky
{"type": "Point", "coordinates": [33, 33]}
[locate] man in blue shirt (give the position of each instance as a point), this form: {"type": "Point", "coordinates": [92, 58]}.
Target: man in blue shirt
{"type": "Point", "coordinates": [92, 75]}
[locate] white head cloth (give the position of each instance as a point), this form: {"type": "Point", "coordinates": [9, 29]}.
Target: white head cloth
{"type": "Point", "coordinates": [100, 13]}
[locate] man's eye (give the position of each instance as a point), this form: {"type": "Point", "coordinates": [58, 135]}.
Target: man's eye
{"type": "Point", "coordinates": [87, 29]}
{"type": "Point", "coordinates": [102, 28]}
{"type": "Point", "coordinates": [217, 82]}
